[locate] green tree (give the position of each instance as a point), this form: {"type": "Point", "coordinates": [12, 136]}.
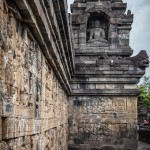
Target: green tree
{"type": "Point", "coordinates": [145, 92]}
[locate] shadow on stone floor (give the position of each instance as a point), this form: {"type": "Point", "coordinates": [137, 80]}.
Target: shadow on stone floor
{"type": "Point", "coordinates": [143, 146]}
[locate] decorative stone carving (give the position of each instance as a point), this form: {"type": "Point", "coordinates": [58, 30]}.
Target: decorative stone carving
{"type": "Point", "coordinates": [103, 59]}
{"type": "Point", "coordinates": [97, 28]}
{"type": "Point", "coordinates": [97, 34]}
{"type": "Point", "coordinates": [97, 7]}
{"type": "Point", "coordinates": [141, 60]}
{"type": "Point", "coordinates": [82, 19]}
{"type": "Point", "coordinates": [99, 120]}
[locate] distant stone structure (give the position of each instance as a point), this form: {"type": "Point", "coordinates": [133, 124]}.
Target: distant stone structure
{"type": "Point", "coordinates": [68, 81]}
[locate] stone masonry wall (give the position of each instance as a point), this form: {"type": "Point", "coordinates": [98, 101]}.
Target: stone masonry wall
{"type": "Point", "coordinates": [33, 105]}
{"type": "Point", "coordinates": [50, 64]}
{"type": "Point", "coordinates": [102, 122]}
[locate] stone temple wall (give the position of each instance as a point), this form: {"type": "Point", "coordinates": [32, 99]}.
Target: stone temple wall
{"type": "Point", "coordinates": [33, 104]}
{"type": "Point", "coordinates": [102, 122]}
{"type": "Point", "coordinates": [68, 81]}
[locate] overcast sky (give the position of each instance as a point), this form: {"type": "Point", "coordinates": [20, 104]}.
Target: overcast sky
{"type": "Point", "coordinates": [140, 33]}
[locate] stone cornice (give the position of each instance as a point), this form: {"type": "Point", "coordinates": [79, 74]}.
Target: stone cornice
{"type": "Point", "coordinates": [40, 27]}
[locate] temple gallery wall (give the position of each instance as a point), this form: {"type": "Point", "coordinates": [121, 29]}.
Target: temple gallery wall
{"type": "Point", "coordinates": [68, 81]}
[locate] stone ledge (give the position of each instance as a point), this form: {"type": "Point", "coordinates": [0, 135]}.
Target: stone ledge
{"type": "Point", "coordinates": [134, 92]}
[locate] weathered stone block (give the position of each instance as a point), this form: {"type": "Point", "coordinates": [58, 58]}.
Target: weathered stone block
{"type": "Point", "coordinates": [3, 146]}
{"type": "Point", "coordinates": [100, 86]}
{"type": "Point", "coordinates": [130, 86]}
{"type": "Point", "coordinates": [85, 147]}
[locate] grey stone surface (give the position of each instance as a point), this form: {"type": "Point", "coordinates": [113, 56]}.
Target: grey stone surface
{"type": "Point", "coordinates": [143, 146]}
{"type": "Point", "coordinates": [52, 63]}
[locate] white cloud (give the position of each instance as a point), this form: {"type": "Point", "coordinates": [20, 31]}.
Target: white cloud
{"type": "Point", "coordinates": [140, 33]}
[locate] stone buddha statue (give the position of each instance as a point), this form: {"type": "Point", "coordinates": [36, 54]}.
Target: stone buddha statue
{"type": "Point", "coordinates": [97, 34]}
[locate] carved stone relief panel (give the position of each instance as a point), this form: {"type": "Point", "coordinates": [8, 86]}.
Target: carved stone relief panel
{"type": "Point", "coordinates": [124, 37]}
{"type": "Point", "coordinates": [100, 120]}
{"type": "Point", "coordinates": [120, 105]}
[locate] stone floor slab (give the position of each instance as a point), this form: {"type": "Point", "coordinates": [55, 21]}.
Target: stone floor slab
{"type": "Point", "coordinates": [143, 146]}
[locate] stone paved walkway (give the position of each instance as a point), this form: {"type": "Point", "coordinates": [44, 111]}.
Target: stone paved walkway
{"type": "Point", "coordinates": [143, 146]}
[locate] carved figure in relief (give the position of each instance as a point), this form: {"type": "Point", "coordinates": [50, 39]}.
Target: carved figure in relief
{"type": "Point", "coordinates": [95, 105]}
{"type": "Point", "coordinates": [97, 34]}
{"type": "Point", "coordinates": [103, 59]}
{"type": "Point", "coordinates": [94, 131]}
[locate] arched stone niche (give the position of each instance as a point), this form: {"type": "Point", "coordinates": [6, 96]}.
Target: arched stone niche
{"type": "Point", "coordinates": [107, 21]}
{"type": "Point", "coordinates": [97, 28]}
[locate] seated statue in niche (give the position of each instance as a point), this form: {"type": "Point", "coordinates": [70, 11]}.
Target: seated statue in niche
{"type": "Point", "coordinates": [97, 34]}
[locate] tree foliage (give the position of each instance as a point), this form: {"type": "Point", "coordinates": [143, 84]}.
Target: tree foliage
{"type": "Point", "coordinates": [145, 92]}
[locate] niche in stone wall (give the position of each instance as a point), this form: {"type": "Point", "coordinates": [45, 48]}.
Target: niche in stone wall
{"type": "Point", "coordinates": [97, 28]}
